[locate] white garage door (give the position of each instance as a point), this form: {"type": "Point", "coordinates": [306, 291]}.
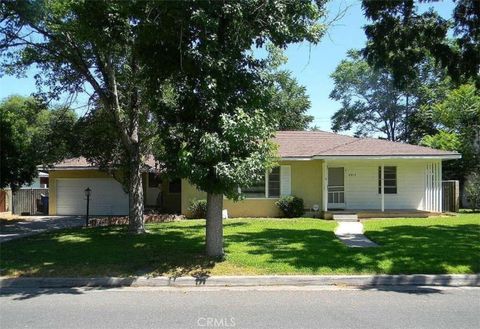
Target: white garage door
{"type": "Point", "coordinates": [107, 197]}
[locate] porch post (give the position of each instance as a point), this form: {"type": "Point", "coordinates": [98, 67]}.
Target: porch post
{"type": "Point", "coordinates": [440, 187]}
{"type": "Point", "coordinates": [434, 187]}
{"type": "Point", "coordinates": [382, 186]}
{"type": "Point", "coordinates": [325, 186]}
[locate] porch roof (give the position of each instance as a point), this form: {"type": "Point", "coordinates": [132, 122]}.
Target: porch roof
{"type": "Point", "coordinates": [322, 144]}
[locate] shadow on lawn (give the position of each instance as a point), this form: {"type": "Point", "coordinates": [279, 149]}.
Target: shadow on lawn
{"type": "Point", "coordinates": [403, 250]}
{"type": "Point", "coordinates": [167, 249]}
{"type": "Point", "coordinates": [108, 251]}
{"type": "Point", "coordinates": [178, 251]}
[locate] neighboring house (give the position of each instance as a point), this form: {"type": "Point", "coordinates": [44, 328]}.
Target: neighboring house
{"type": "Point", "coordinates": [6, 195]}
{"type": "Point", "coordinates": [39, 182]}
{"type": "Point", "coordinates": [328, 171]}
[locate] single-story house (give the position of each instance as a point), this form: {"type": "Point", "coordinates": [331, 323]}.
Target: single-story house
{"type": "Point", "coordinates": [330, 172]}
{"type": "Point", "coordinates": [70, 178]}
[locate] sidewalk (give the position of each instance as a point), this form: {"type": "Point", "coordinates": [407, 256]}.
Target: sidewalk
{"type": "Point", "coordinates": [351, 233]}
{"type": "Point", "coordinates": [459, 280]}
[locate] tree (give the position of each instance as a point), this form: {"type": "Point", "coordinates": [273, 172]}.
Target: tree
{"type": "Point", "coordinates": [289, 100]}
{"type": "Point", "coordinates": [217, 132]}
{"type": "Point", "coordinates": [370, 102]}
{"type": "Point", "coordinates": [95, 47]}
{"type": "Point", "coordinates": [99, 142]}
{"type": "Point", "coordinates": [472, 190]}
{"type": "Point", "coordinates": [400, 37]}
{"type": "Point", "coordinates": [457, 119]}
{"type": "Point", "coordinates": [32, 135]}
{"type": "Point", "coordinates": [373, 104]}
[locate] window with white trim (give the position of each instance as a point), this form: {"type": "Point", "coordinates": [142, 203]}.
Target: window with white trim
{"type": "Point", "coordinates": [389, 180]}
{"type": "Point", "coordinates": [268, 187]}
{"type": "Point", "coordinates": [274, 183]}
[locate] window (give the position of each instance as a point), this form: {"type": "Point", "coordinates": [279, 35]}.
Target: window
{"type": "Point", "coordinates": [274, 183]}
{"type": "Point", "coordinates": [390, 180]}
{"type": "Point", "coordinates": [175, 186]}
{"type": "Point", "coordinates": [154, 180]}
{"type": "Point", "coordinates": [258, 190]}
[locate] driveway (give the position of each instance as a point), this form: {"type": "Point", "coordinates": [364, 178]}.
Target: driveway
{"type": "Point", "coordinates": [15, 229]}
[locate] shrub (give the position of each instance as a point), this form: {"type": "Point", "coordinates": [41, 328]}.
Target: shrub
{"type": "Point", "coordinates": [472, 189]}
{"type": "Point", "coordinates": [291, 206]}
{"type": "Point", "coordinates": [198, 208]}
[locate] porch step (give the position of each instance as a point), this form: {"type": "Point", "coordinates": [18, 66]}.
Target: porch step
{"type": "Point", "coordinates": [345, 217]}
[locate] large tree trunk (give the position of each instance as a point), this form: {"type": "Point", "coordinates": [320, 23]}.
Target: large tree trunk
{"type": "Point", "coordinates": [214, 225]}
{"type": "Point", "coordinates": [135, 215]}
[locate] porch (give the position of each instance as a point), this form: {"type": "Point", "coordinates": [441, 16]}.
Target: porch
{"type": "Point", "coordinates": [371, 213]}
{"type": "Point", "coordinates": [382, 188]}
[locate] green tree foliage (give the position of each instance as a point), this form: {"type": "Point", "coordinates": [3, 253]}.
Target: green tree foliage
{"type": "Point", "coordinates": [458, 120]}
{"type": "Point", "coordinates": [472, 190]}
{"type": "Point", "coordinates": [32, 135]}
{"type": "Point", "coordinates": [289, 102]}
{"type": "Point", "coordinates": [400, 37]}
{"type": "Point", "coordinates": [443, 140]}
{"type": "Point", "coordinates": [217, 130]}
{"type": "Point", "coordinates": [372, 103]}
{"type": "Point", "coordinates": [99, 142]}
{"type": "Point", "coordinates": [95, 46]}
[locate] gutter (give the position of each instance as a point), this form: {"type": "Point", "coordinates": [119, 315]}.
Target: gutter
{"type": "Point", "coordinates": [373, 157]}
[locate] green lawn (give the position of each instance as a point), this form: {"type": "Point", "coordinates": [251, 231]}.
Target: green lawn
{"type": "Point", "coordinates": [253, 246]}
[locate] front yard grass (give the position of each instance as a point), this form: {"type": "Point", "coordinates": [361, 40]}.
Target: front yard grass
{"type": "Point", "coordinates": [253, 246]}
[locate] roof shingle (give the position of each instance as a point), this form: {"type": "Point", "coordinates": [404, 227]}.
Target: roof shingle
{"type": "Point", "coordinates": [321, 143]}
{"type": "Point", "coordinates": [307, 144]}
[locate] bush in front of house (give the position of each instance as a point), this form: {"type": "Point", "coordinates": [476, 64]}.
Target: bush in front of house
{"type": "Point", "coordinates": [472, 190]}
{"type": "Point", "coordinates": [198, 208]}
{"type": "Point", "coordinates": [291, 206]}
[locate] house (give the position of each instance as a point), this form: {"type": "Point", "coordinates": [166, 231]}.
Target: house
{"type": "Point", "coordinates": [69, 179]}
{"type": "Point", "coordinates": [330, 172]}
{"type": "Point", "coordinates": [26, 199]}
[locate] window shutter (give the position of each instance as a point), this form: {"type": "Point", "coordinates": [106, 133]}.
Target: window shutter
{"type": "Point", "coordinates": [285, 180]}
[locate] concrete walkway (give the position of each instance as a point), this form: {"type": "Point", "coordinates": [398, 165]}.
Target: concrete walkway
{"type": "Point", "coordinates": [15, 229]}
{"type": "Point", "coordinates": [351, 233]}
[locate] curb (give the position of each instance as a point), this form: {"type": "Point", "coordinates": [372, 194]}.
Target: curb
{"type": "Point", "coordinates": [455, 280]}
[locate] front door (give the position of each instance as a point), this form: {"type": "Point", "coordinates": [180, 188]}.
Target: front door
{"type": "Point", "coordinates": [336, 188]}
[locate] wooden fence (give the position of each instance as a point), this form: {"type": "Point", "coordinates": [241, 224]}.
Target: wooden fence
{"type": "Point", "coordinates": [28, 201]}
{"type": "Point", "coordinates": [3, 201]}
{"type": "Point", "coordinates": [451, 196]}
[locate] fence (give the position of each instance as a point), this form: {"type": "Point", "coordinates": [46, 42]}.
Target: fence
{"type": "Point", "coordinates": [451, 195]}
{"type": "Point", "coordinates": [3, 201]}
{"type": "Point", "coordinates": [28, 201]}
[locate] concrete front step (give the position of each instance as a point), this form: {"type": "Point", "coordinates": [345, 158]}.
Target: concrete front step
{"type": "Point", "coordinates": [345, 217]}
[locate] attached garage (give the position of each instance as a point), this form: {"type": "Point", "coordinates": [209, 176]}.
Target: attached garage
{"type": "Point", "coordinates": [107, 196]}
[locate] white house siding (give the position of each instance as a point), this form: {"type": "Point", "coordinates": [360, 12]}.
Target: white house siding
{"type": "Point", "coordinates": [361, 183]}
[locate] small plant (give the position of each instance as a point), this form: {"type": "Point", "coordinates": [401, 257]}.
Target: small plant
{"type": "Point", "coordinates": [472, 190]}
{"type": "Point", "coordinates": [291, 206]}
{"type": "Point", "coordinates": [198, 208]}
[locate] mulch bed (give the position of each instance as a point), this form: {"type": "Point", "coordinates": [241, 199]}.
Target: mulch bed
{"type": "Point", "coordinates": [123, 220]}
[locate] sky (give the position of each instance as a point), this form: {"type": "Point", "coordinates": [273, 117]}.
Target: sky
{"type": "Point", "coordinates": [310, 65]}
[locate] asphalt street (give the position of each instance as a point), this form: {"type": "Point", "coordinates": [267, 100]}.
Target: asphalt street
{"type": "Point", "coordinates": [307, 307]}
